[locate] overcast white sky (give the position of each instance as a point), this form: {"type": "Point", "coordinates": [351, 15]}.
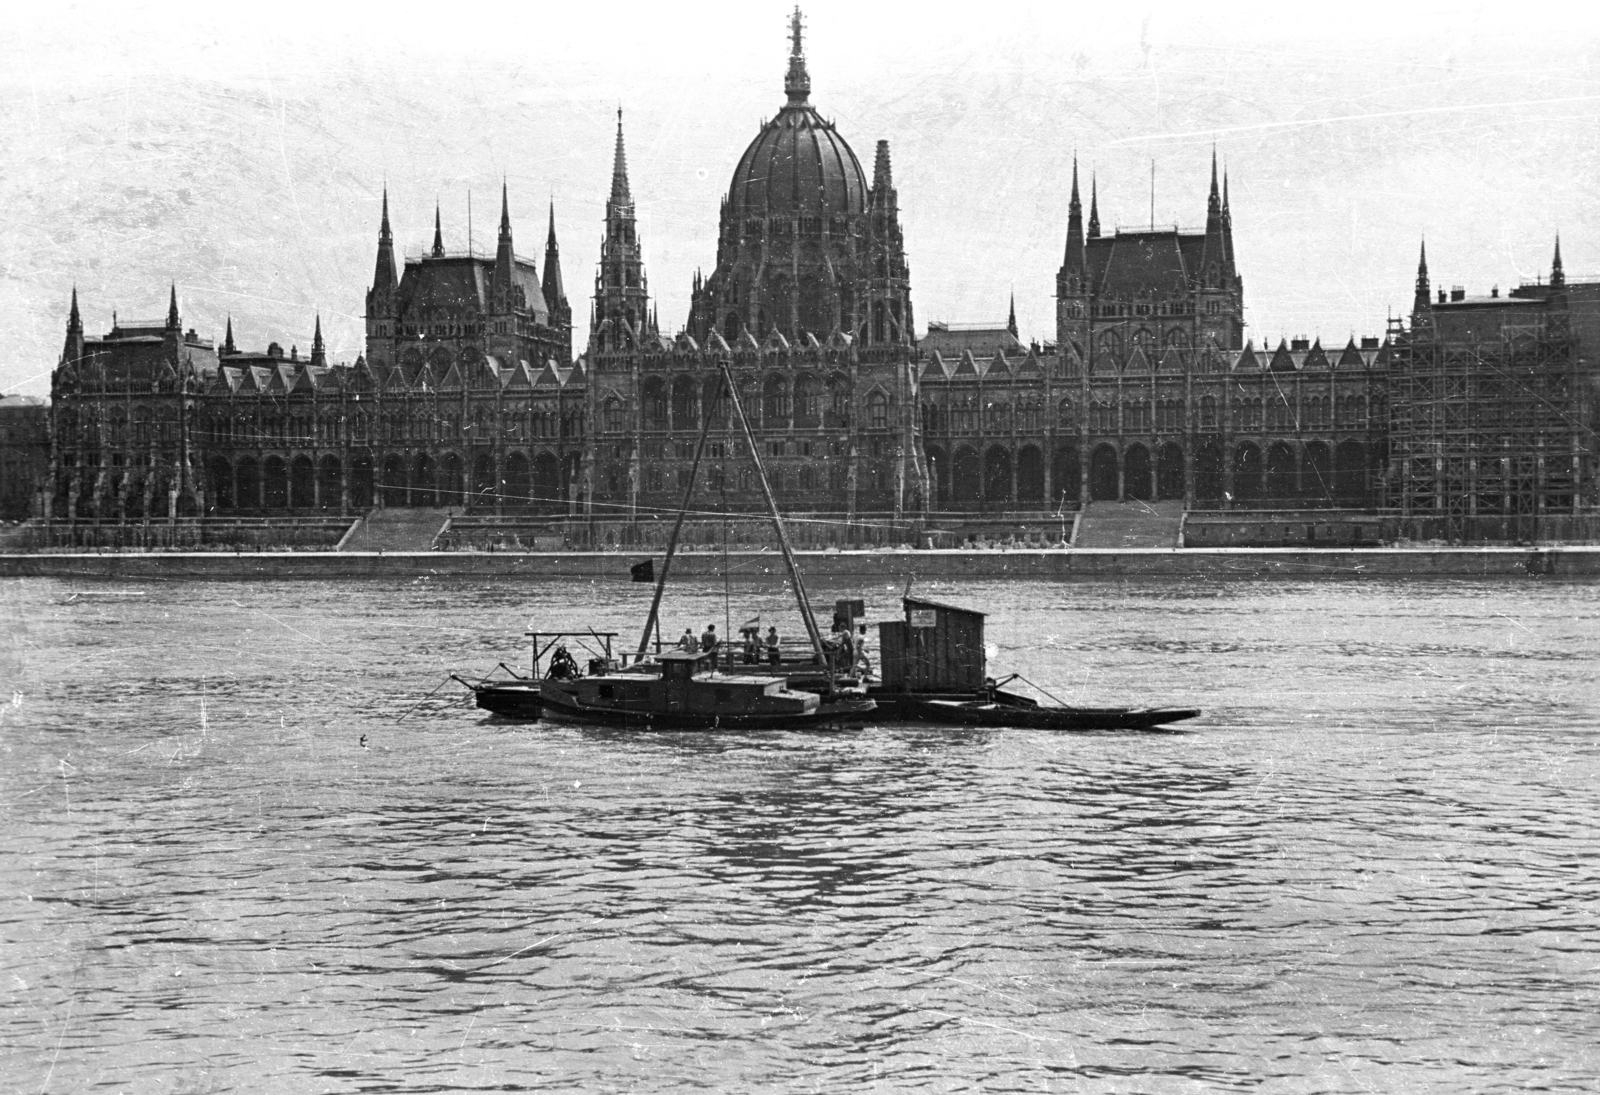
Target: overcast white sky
{"type": "Point", "coordinates": [241, 153]}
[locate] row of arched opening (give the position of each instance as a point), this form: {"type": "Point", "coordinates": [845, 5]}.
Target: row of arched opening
{"type": "Point", "coordinates": [541, 484]}
{"type": "Point", "coordinates": [777, 404]}
{"type": "Point", "coordinates": [1279, 475]}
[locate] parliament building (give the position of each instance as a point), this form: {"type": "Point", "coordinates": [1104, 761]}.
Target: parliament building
{"type": "Point", "coordinates": [469, 395]}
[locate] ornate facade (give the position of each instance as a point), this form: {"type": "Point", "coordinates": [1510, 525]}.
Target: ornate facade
{"type": "Point", "coordinates": [468, 393]}
{"type": "Point", "coordinates": [809, 302]}
{"type": "Point", "coordinates": [1150, 390]}
{"type": "Point", "coordinates": [1494, 409]}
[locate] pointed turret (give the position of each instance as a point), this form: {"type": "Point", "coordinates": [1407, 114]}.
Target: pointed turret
{"type": "Point", "coordinates": [173, 323]}
{"type": "Point", "coordinates": [555, 293]}
{"type": "Point", "coordinates": [1214, 264]}
{"type": "Point", "coordinates": [1227, 227]}
{"type": "Point", "coordinates": [319, 354]}
{"type": "Point", "coordinates": [619, 169]}
{"type": "Point", "coordinates": [1421, 302]}
{"type": "Point", "coordinates": [504, 257]}
{"type": "Point", "coordinates": [1011, 320]}
{"type": "Point", "coordinates": [882, 170]}
{"type": "Point", "coordinates": [622, 300]}
{"type": "Point", "coordinates": [883, 195]}
{"type": "Point", "coordinates": [73, 350]}
{"type": "Point", "coordinates": [797, 82]}
{"type": "Point", "coordinates": [227, 339]}
{"type": "Point", "coordinates": [1094, 208]}
{"type": "Point", "coordinates": [1073, 264]}
{"type": "Point", "coordinates": [438, 233]}
{"type": "Point", "coordinates": [383, 273]}
{"type": "Point", "coordinates": [1558, 276]}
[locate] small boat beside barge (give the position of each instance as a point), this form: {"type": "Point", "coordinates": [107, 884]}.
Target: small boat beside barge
{"type": "Point", "coordinates": [935, 670]}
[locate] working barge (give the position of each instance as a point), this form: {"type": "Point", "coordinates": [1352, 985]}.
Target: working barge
{"type": "Point", "coordinates": [934, 665]}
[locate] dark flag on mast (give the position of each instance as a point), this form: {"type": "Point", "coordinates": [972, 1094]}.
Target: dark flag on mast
{"type": "Point", "coordinates": [643, 572]}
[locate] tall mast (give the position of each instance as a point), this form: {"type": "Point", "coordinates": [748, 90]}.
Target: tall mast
{"type": "Point", "coordinates": [777, 519]}
{"type": "Point", "coordinates": [672, 541]}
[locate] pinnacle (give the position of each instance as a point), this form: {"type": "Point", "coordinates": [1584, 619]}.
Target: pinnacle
{"type": "Point", "coordinates": [438, 233]}
{"type": "Point", "coordinates": [619, 168]}
{"type": "Point", "coordinates": [797, 82]}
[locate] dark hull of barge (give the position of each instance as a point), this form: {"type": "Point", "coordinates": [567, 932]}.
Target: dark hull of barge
{"type": "Point", "coordinates": [559, 708]}
{"type": "Point", "coordinates": [1003, 710]}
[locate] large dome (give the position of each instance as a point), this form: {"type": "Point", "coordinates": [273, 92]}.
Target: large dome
{"type": "Point", "coordinates": [798, 164]}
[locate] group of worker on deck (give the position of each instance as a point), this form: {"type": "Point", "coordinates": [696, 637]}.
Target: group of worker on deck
{"type": "Point", "coordinates": [849, 652]}
{"type": "Point", "coordinates": [754, 645]}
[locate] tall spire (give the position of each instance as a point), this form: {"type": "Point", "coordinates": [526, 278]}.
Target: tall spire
{"type": "Point", "coordinates": [383, 275]}
{"type": "Point", "coordinates": [1073, 263]}
{"type": "Point", "coordinates": [882, 171]}
{"type": "Point", "coordinates": [622, 300]}
{"type": "Point", "coordinates": [1011, 320]}
{"type": "Point", "coordinates": [1421, 301]}
{"type": "Point", "coordinates": [173, 322]}
{"type": "Point", "coordinates": [1227, 226]}
{"type": "Point", "coordinates": [797, 82]}
{"type": "Point", "coordinates": [619, 169]}
{"type": "Point", "coordinates": [319, 355]}
{"type": "Point", "coordinates": [73, 350]}
{"type": "Point", "coordinates": [1214, 201]}
{"type": "Point", "coordinates": [1558, 276]}
{"type": "Point", "coordinates": [438, 233]}
{"type": "Point", "coordinates": [555, 293]}
{"type": "Point", "coordinates": [1214, 264]}
{"type": "Point", "coordinates": [1094, 208]}
{"type": "Point", "coordinates": [504, 256]}
{"type": "Point", "coordinates": [227, 338]}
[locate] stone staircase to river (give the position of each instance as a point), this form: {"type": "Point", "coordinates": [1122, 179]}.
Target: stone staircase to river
{"type": "Point", "coordinates": [395, 529]}
{"type": "Point", "coordinates": [1130, 525]}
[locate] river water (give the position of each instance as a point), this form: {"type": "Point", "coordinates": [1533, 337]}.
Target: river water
{"type": "Point", "coordinates": [1371, 866]}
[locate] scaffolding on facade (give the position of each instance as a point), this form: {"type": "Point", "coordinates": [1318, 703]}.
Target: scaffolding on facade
{"type": "Point", "coordinates": [1486, 434]}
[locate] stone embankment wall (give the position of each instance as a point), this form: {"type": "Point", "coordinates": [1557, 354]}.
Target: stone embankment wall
{"type": "Point", "coordinates": [1065, 564]}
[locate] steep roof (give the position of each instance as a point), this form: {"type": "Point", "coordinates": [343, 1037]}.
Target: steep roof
{"type": "Point", "coordinates": [983, 340]}
{"type": "Point", "coordinates": [463, 281]}
{"type": "Point", "coordinates": [1128, 263]}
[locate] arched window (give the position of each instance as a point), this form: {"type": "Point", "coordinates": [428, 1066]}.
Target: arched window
{"type": "Point", "coordinates": [655, 404]}
{"type": "Point", "coordinates": [807, 401]}
{"type": "Point", "coordinates": [1066, 415]}
{"type": "Point", "coordinates": [878, 411]}
{"type": "Point", "coordinates": [775, 402]}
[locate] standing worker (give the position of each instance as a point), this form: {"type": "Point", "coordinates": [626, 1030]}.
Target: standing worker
{"type": "Point", "coordinates": [772, 646]}
{"type": "Point", "coordinates": [708, 640]}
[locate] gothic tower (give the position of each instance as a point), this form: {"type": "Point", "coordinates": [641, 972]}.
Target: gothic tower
{"type": "Point", "coordinates": [1072, 280]}
{"type": "Point", "coordinates": [555, 293]}
{"type": "Point", "coordinates": [621, 296]}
